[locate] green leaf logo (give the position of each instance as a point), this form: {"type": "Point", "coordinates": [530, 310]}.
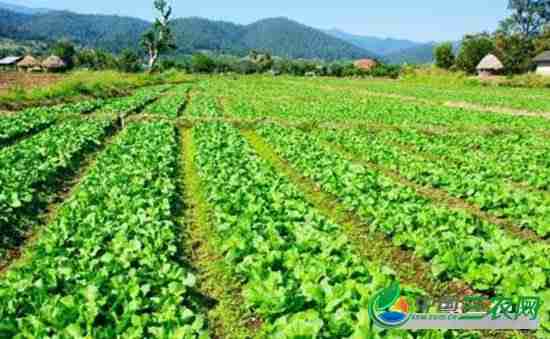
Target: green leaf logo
{"type": "Point", "coordinates": [388, 296]}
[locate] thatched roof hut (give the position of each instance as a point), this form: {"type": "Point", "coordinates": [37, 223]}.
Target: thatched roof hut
{"type": "Point", "coordinates": [489, 65]}
{"type": "Point", "coordinates": [365, 64]}
{"type": "Point", "coordinates": [28, 62]}
{"type": "Point", "coordinates": [54, 63]}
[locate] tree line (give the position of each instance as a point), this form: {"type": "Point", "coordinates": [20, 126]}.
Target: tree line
{"type": "Point", "coordinates": [209, 63]}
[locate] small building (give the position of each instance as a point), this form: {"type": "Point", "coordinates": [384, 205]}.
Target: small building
{"type": "Point", "coordinates": [54, 64]}
{"type": "Point", "coordinates": [29, 64]}
{"type": "Point", "coordinates": [543, 63]}
{"type": "Point", "coordinates": [489, 66]}
{"type": "Point", "coordinates": [10, 62]}
{"type": "Point", "coordinates": [365, 64]}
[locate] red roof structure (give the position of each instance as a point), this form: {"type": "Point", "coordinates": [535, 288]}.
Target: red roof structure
{"type": "Point", "coordinates": [365, 64]}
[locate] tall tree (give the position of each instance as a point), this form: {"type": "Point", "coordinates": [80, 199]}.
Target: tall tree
{"type": "Point", "coordinates": [528, 17]}
{"type": "Point", "coordinates": [515, 52]}
{"type": "Point", "coordinates": [444, 56]}
{"type": "Point", "coordinates": [542, 42]}
{"type": "Point", "coordinates": [159, 39]}
{"type": "Point", "coordinates": [66, 51]}
{"type": "Point", "coordinates": [474, 48]}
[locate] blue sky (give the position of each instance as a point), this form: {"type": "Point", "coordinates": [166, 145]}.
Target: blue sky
{"type": "Point", "coordinates": [423, 20]}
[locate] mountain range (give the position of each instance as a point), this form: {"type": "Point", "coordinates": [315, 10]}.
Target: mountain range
{"type": "Point", "coordinates": [396, 51]}
{"type": "Point", "coordinates": [23, 9]}
{"type": "Point", "coordinates": [279, 36]}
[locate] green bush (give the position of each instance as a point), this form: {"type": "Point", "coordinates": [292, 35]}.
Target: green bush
{"type": "Point", "coordinates": [385, 71]}
{"type": "Point", "coordinates": [129, 62]}
{"type": "Point", "coordinates": [202, 63]}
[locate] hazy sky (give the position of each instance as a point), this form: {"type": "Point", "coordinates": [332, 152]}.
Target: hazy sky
{"type": "Point", "coordinates": [422, 20]}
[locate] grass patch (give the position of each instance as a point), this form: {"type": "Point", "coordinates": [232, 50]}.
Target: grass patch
{"type": "Point", "coordinates": [85, 84]}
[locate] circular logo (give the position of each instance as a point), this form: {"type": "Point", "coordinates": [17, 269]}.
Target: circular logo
{"type": "Point", "coordinates": [388, 309]}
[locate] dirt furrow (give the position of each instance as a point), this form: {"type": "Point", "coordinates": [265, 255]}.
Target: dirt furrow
{"type": "Point", "coordinates": [227, 317]}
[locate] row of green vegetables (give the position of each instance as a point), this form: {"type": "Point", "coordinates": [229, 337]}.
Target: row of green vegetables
{"type": "Point", "coordinates": [519, 157]}
{"type": "Point", "coordinates": [31, 170]}
{"type": "Point", "coordinates": [109, 265]}
{"type": "Point", "coordinates": [128, 105]}
{"type": "Point", "coordinates": [36, 119]}
{"type": "Point", "coordinates": [171, 104]}
{"type": "Point", "coordinates": [472, 178]}
{"type": "Point", "coordinates": [458, 245]}
{"type": "Point", "coordinates": [204, 101]}
{"type": "Point", "coordinates": [300, 273]}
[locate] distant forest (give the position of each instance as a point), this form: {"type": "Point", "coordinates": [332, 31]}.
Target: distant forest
{"type": "Point", "coordinates": [277, 36]}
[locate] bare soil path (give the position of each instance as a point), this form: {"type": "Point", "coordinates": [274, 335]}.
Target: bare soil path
{"type": "Point", "coordinates": [12, 80]}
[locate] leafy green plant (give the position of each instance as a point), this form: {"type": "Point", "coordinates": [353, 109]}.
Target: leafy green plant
{"type": "Point", "coordinates": [298, 269]}
{"type": "Point", "coordinates": [34, 167]}
{"type": "Point", "coordinates": [465, 173]}
{"type": "Point", "coordinates": [128, 105]}
{"type": "Point", "coordinates": [457, 244]}
{"type": "Point", "coordinates": [108, 265]}
{"type": "Point", "coordinates": [170, 104]}
{"type": "Point", "coordinates": [35, 119]}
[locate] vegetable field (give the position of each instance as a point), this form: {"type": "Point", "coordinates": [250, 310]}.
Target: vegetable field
{"type": "Point", "coordinates": [270, 207]}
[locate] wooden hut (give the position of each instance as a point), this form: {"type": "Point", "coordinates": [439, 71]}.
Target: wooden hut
{"type": "Point", "coordinates": [489, 66]}
{"type": "Point", "coordinates": [9, 62]}
{"type": "Point", "coordinates": [29, 64]}
{"type": "Point", "coordinates": [365, 64]}
{"type": "Point", "coordinates": [543, 63]}
{"type": "Point", "coordinates": [54, 64]}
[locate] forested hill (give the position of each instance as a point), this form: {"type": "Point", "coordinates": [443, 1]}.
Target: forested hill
{"type": "Point", "coordinates": [279, 36]}
{"type": "Point", "coordinates": [288, 38]}
{"type": "Point", "coordinates": [113, 33]}
{"type": "Point", "coordinates": [421, 54]}
{"type": "Point", "coordinates": [380, 46]}
{"type": "Point", "coordinates": [22, 9]}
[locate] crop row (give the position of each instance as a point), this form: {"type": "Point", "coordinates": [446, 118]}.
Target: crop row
{"type": "Point", "coordinates": [35, 119]}
{"type": "Point", "coordinates": [300, 273]}
{"type": "Point", "coordinates": [478, 180]}
{"type": "Point", "coordinates": [170, 104]}
{"type": "Point", "coordinates": [34, 167]}
{"type": "Point", "coordinates": [518, 157]}
{"type": "Point", "coordinates": [471, 179]}
{"type": "Point", "coordinates": [457, 244]}
{"type": "Point", "coordinates": [127, 105]}
{"type": "Point", "coordinates": [108, 266]}
{"type": "Point", "coordinates": [204, 102]}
